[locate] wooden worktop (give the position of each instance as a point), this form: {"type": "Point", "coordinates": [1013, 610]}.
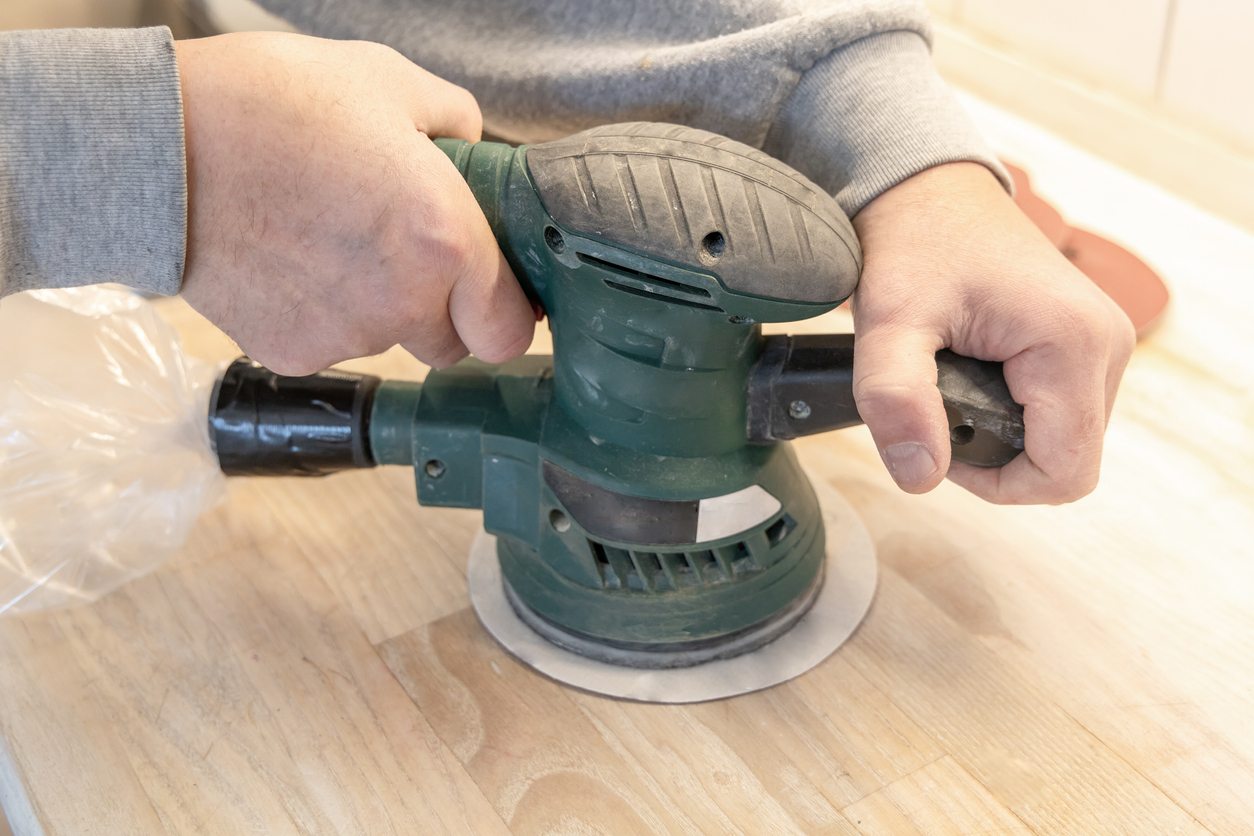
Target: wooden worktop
{"type": "Point", "coordinates": [309, 663]}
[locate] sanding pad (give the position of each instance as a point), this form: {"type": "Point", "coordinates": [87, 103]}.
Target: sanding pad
{"type": "Point", "coordinates": [842, 601]}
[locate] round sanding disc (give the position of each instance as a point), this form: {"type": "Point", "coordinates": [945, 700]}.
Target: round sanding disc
{"type": "Point", "coordinates": [1125, 278]}
{"type": "Point", "coordinates": [845, 597]}
{"type": "Point", "coordinates": [1130, 282]}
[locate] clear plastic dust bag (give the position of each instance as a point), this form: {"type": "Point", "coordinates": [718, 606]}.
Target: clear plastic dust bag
{"type": "Point", "coordinates": [105, 461]}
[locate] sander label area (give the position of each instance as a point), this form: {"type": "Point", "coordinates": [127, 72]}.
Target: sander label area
{"type": "Point", "coordinates": [724, 516]}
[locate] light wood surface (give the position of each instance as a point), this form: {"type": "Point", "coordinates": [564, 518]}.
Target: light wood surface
{"type": "Point", "coordinates": [308, 663]}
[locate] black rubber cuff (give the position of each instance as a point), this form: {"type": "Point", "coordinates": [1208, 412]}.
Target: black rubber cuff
{"type": "Point", "coordinates": [266, 424]}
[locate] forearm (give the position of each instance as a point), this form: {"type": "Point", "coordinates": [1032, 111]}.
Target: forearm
{"type": "Point", "coordinates": [93, 185]}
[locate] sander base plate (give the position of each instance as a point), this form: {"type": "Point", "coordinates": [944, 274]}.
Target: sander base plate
{"type": "Point", "coordinates": [842, 601]}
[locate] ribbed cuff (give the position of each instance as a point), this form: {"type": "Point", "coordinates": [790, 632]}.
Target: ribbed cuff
{"type": "Point", "coordinates": [868, 116]}
{"type": "Point", "coordinates": [93, 182]}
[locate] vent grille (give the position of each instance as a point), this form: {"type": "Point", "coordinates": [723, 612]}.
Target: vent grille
{"type": "Point", "coordinates": [659, 570]}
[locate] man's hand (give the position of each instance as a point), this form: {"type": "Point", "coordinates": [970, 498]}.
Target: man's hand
{"type": "Point", "coordinates": [950, 261]}
{"type": "Point", "coordinates": [323, 223]}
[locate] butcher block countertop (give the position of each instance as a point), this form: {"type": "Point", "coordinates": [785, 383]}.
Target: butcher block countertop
{"type": "Point", "coordinates": [309, 663]}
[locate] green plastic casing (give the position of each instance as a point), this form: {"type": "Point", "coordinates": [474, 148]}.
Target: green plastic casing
{"type": "Point", "coordinates": [645, 396]}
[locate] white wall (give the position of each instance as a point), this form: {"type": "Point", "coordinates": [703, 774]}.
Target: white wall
{"type": "Point", "coordinates": [1116, 42]}
{"type": "Point", "coordinates": [1208, 68]}
{"type": "Point", "coordinates": [1191, 60]}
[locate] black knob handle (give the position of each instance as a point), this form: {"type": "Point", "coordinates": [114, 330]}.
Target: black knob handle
{"type": "Point", "coordinates": [803, 385]}
{"type": "Point", "coordinates": [266, 424]}
{"type": "Point", "coordinates": [985, 423]}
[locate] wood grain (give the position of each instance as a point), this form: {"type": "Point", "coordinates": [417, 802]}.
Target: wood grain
{"type": "Point", "coordinates": [280, 717]}
{"type": "Point", "coordinates": [308, 663]}
{"type": "Point", "coordinates": [940, 799]}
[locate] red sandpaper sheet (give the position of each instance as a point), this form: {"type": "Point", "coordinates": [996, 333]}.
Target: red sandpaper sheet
{"type": "Point", "coordinates": [1125, 278]}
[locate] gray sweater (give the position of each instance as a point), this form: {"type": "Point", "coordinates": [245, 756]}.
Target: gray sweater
{"type": "Point", "coordinates": [92, 178]}
{"type": "Point", "coordinates": [93, 186]}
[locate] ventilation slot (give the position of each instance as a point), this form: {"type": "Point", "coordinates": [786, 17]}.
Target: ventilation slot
{"type": "Point", "coordinates": [709, 567]}
{"type": "Point", "coordinates": [648, 568]}
{"type": "Point", "coordinates": [780, 529]}
{"type": "Point", "coordinates": [627, 272]}
{"type": "Point", "coordinates": [615, 566]}
{"type": "Point", "coordinates": [651, 287]}
{"type": "Point", "coordinates": [658, 571]}
{"type": "Point", "coordinates": [661, 297]}
{"type": "Point", "coordinates": [679, 572]}
{"type": "Point", "coordinates": [738, 559]}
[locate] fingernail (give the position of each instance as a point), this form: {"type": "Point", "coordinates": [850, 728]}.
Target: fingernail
{"type": "Point", "coordinates": [909, 462]}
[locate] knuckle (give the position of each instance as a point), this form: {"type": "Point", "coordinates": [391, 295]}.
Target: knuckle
{"type": "Point", "coordinates": [1124, 336]}
{"type": "Point", "coordinates": [381, 52]}
{"type": "Point", "coordinates": [452, 251]}
{"type": "Point", "coordinates": [1095, 320]}
{"type": "Point", "coordinates": [434, 235]}
{"type": "Point", "coordinates": [1080, 478]}
{"type": "Point", "coordinates": [1084, 325]}
{"type": "Point", "coordinates": [466, 102]}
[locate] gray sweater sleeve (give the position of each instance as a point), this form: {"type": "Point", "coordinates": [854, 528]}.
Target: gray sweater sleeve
{"type": "Point", "coordinates": [843, 90]}
{"type": "Point", "coordinates": [868, 116]}
{"type": "Point", "coordinates": [93, 186]}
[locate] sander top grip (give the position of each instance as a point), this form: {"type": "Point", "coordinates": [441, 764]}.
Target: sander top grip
{"type": "Point", "coordinates": [803, 384]}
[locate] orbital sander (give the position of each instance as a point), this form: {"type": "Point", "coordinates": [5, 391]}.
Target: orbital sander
{"type": "Point", "coordinates": [645, 516]}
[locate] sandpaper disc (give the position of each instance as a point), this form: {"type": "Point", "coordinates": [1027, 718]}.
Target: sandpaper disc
{"type": "Point", "coordinates": [1126, 279]}
{"type": "Point", "coordinates": [842, 601]}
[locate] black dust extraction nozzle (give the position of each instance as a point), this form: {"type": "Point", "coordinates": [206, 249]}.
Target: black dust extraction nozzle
{"type": "Point", "coordinates": [266, 424]}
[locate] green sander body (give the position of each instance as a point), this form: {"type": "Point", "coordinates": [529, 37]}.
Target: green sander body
{"type": "Point", "coordinates": [647, 505]}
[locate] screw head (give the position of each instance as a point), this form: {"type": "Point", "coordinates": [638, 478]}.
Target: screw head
{"type": "Point", "coordinates": [798, 410]}
{"type": "Point", "coordinates": [434, 468]}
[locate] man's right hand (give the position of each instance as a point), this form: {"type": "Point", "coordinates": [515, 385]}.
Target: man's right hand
{"type": "Point", "coordinates": [323, 223]}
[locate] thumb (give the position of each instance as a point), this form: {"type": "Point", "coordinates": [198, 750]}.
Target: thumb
{"type": "Point", "coordinates": [894, 386]}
